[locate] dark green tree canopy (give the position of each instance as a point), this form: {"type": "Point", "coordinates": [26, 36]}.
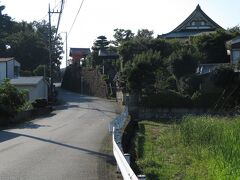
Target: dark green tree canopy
{"type": "Point", "coordinates": [122, 35]}
{"type": "Point", "coordinates": [101, 43]}
{"type": "Point", "coordinates": [142, 76]}
{"type": "Point", "coordinates": [182, 63]}
{"type": "Point", "coordinates": [145, 33]}
{"type": "Point", "coordinates": [6, 25]}
{"type": "Point", "coordinates": [212, 46]}
{"type": "Point", "coordinates": [28, 42]}
{"type": "Point", "coordinates": [223, 76]}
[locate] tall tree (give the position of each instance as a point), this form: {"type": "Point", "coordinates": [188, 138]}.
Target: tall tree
{"type": "Point", "coordinates": [29, 45]}
{"type": "Point", "coordinates": [122, 35]}
{"type": "Point", "coordinates": [212, 46]}
{"type": "Point", "coordinates": [28, 49]}
{"type": "Point", "coordinates": [145, 33]}
{"type": "Point", "coordinates": [5, 28]}
{"type": "Point", "coordinates": [102, 44]}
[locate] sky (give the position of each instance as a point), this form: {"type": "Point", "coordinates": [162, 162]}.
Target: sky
{"type": "Point", "coordinates": [101, 17]}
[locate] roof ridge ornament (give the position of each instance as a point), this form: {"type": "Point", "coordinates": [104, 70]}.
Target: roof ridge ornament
{"type": "Point", "coordinates": [198, 7]}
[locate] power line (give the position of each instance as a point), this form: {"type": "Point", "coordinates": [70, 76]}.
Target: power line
{"type": "Point", "coordinates": [80, 7]}
{"type": "Point", "coordinates": [44, 17]}
{"type": "Point", "coordinates": [59, 17]}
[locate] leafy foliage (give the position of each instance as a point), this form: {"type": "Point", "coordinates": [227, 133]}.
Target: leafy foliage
{"type": "Point", "coordinates": [212, 46]}
{"type": "Point", "coordinates": [145, 33]}
{"type": "Point", "coordinates": [223, 76]}
{"type": "Point", "coordinates": [122, 35]}
{"type": "Point", "coordinates": [182, 63]}
{"type": "Point", "coordinates": [189, 84]}
{"type": "Point", "coordinates": [142, 75]}
{"type": "Point", "coordinates": [11, 99]}
{"type": "Point", "coordinates": [28, 42]}
{"type": "Point", "coordinates": [28, 49]}
{"type": "Point", "coordinates": [167, 99]}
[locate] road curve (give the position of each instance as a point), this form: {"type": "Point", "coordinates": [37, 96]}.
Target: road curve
{"type": "Point", "coordinates": [64, 145]}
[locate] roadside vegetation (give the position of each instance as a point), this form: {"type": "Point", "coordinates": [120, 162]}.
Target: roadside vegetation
{"type": "Point", "coordinates": [151, 68]}
{"type": "Point", "coordinates": [12, 101]}
{"type": "Point", "coordinates": [28, 43]}
{"type": "Point", "coordinates": [198, 147]}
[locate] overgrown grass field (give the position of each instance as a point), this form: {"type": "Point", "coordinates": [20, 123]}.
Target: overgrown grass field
{"type": "Point", "coordinates": [196, 148]}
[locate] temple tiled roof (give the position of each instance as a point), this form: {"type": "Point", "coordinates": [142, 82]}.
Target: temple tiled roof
{"type": "Point", "coordinates": [198, 22]}
{"type": "Point", "coordinates": [79, 52]}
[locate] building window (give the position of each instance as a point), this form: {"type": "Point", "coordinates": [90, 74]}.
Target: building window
{"type": "Point", "coordinates": [202, 23]}
{"type": "Point", "coordinates": [235, 56]}
{"type": "Point", "coordinates": [193, 23]}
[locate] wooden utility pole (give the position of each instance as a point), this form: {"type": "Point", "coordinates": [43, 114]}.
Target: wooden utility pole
{"type": "Point", "coordinates": [66, 48]}
{"type": "Point", "coordinates": [50, 51]}
{"type": "Point", "coordinates": [51, 44]}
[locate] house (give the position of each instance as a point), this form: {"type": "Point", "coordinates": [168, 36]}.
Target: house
{"type": "Point", "coordinates": [234, 47]}
{"type": "Point", "coordinates": [207, 68]}
{"type": "Point", "coordinates": [197, 23]}
{"type": "Point", "coordinates": [78, 53]}
{"type": "Point", "coordinates": [36, 86]}
{"type": "Point", "coordinates": [105, 54]}
{"type": "Point", "coordinates": [9, 68]}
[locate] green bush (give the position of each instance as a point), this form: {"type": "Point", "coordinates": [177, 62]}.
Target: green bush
{"type": "Point", "coordinates": [182, 63]}
{"type": "Point", "coordinates": [167, 99]}
{"type": "Point", "coordinates": [223, 76]}
{"type": "Point", "coordinates": [11, 101]}
{"type": "Point", "coordinates": [11, 98]}
{"type": "Point", "coordinates": [189, 84]}
{"type": "Point", "coordinates": [204, 100]}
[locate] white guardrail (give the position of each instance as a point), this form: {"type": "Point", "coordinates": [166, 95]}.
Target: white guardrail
{"type": "Point", "coordinates": [123, 160]}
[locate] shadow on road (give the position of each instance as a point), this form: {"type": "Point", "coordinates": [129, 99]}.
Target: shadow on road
{"type": "Point", "coordinates": [31, 125]}
{"type": "Point", "coordinates": [5, 136]}
{"type": "Point", "coordinates": [65, 106]}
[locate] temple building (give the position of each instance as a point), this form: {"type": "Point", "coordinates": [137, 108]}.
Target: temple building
{"type": "Point", "coordinates": [197, 23]}
{"type": "Point", "coordinates": [78, 54]}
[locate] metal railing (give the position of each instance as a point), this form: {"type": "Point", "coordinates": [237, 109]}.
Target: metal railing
{"type": "Point", "coordinates": [123, 160]}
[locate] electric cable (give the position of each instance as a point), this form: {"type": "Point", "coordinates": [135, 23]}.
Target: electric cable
{"type": "Point", "coordinates": [80, 7]}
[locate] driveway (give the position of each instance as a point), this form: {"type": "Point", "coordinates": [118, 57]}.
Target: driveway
{"type": "Point", "coordinates": [64, 145]}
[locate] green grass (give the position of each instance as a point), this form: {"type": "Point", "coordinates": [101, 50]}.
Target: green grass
{"type": "Point", "coordinates": [199, 147]}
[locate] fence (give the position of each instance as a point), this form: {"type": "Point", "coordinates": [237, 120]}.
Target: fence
{"type": "Point", "coordinates": [123, 160]}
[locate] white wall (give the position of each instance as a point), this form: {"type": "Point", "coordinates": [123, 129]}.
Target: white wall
{"type": "Point", "coordinates": [10, 69]}
{"type": "Point", "coordinates": [38, 91]}
{"type": "Point", "coordinates": [235, 55]}
{"type": "Point", "coordinates": [41, 90]}
{"type": "Point", "coordinates": [2, 71]}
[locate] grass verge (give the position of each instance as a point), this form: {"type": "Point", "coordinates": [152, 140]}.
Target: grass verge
{"type": "Point", "coordinates": [198, 147]}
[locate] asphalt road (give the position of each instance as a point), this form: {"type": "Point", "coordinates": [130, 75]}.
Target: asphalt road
{"type": "Point", "coordinates": [64, 145]}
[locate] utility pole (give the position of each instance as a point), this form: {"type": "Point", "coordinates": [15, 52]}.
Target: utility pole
{"type": "Point", "coordinates": [51, 44]}
{"type": "Point", "coordinates": [66, 49]}
{"type": "Point", "coordinates": [50, 51]}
